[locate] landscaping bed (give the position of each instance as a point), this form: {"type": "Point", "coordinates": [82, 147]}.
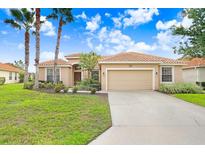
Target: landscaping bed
{"type": "Point", "coordinates": [33, 117]}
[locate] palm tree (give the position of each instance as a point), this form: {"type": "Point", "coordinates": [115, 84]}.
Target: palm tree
{"type": "Point", "coordinates": [64, 15]}
{"type": "Point", "coordinates": [37, 33]}
{"type": "Point", "coordinates": [23, 19]}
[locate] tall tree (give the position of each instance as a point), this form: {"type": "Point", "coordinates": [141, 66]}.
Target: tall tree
{"type": "Point", "coordinates": [194, 44]}
{"type": "Point", "coordinates": [23, 19]}
{"type": "Point", "coordinates": [20, 64]}
{"type": "Point", "coordinates": [64, 15]}
{"type": "Point", "coordinates": [37, 33]}
{"type": "Point", "coordinates": [88, 61]}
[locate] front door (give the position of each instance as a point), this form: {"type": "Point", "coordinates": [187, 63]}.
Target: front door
{"type": "Point", "coordinates": [77, 77]}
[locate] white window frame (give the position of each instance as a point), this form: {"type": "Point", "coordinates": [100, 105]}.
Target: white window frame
{"type": "Point", "coordinates": [132, 69]}
{"type": "Point", "coordinates": [53, 72]}
{"type": "Point", "coordinates": [172, 74]}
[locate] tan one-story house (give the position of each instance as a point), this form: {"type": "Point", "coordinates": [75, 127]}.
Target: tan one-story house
{"type": "Point", "coordinates": [9, 72]}
{"type": "Point", "coordinates": [194, 71]}
{"type": "Point", "coordinates": [123, 71]}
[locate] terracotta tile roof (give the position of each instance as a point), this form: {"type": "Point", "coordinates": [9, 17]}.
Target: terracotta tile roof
{"type": "Point", "coordinates": [73, 55]}
{"type": "Point", "coordinates": [51, 62]}
{"type": "Point", "coordinates": [195, 62]}
{"type": "Point", "coordinates": [9, 67]}
{"type": "Point", "coordinates": [139, 57]}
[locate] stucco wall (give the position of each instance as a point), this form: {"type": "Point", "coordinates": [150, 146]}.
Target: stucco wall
{"type": "Point", "coordinates": [201, 74]}
{"type": "Point", "coordinates": [66, 76]}
{"type": "Point", "coordinates": [178, 77]}
{"type": "Point", "coordinates": [190, 75]}
{"type": "Point", "coordinates": [42, 73]}
{"type": "Point", "coordinates": [6, 75]}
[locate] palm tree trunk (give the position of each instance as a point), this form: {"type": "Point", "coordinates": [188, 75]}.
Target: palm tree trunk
{"type": "Point", "coordinates": [57, 48]}
{"type": "Point", "coordinates": [36, 86]}
{"type": "Point", "coordinates": [27, 41]}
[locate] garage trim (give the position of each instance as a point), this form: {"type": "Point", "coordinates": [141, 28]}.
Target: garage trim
{"type": "Point", "coordinates": [132, 69]}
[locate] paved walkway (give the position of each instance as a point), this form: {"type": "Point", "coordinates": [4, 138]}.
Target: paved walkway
{"type": "Point", "coordinates": [148, 117]}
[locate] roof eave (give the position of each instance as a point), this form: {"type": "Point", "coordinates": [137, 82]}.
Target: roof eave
{"type": "Point", "coordinates": [51, 65]}
{"type": "Point", "coordinates": [137, 62]}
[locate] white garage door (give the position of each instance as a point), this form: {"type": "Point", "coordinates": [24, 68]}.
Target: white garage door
{"type": "Point", "coordinates": [129, 80]}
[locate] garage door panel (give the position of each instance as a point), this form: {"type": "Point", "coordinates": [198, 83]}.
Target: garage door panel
{"type": "Point", "coordinates": [129, 80]}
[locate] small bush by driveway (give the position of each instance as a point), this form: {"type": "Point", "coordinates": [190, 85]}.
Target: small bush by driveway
{"type": "Point", "coordinates": [180, 88]}
{"type": "Point", "coordinates": [31, 117]}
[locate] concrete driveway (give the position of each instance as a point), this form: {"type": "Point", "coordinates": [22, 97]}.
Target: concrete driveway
{"type": "Point", "coordinates": [148, 117]}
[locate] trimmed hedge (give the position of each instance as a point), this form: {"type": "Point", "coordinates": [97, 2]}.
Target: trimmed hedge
{"type": "Point", "coordinates": [28, 85]}
{"type": "Point", "coordinates": [93, 91]}
{"type": "Point", "coordinates": [75, 89]}
{"type": "Point", "coordinates": [180, 88]}
{"type": "Point", "coordinates": [58, 87]}
{"type": "Point", "coordinates": [2, 80]}
{"type": "Point", "coordinates": [89, 84]}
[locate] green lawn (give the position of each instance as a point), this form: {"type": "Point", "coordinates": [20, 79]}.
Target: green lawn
{"type": "Point", "coordinates": [30, 117]}
{"type": "Point", "coordinates": [198, 99]}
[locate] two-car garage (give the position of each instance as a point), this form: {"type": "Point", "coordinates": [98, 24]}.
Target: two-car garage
{"type": "Point", "coordinates": [122, 79]}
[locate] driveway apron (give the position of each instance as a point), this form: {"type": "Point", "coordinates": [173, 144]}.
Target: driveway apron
{"type": "Point", "coordinates": [148, 117]}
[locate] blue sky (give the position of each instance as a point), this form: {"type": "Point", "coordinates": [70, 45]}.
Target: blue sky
{"type": "Point", "coordinates": [106, 31]}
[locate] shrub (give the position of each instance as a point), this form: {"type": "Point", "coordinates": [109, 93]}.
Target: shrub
{"type": "Point", "coordinates": [93, 91]}
{"type": "Point", "coordinates": [28, 85]}
{"type": "Point", "coordinates": [75, 89]}
{"type": "Point", "coordinates": [58, 87]}
{"type": "Point", "coordinates": [49, 85]}
{"type": "Point", "coordinates": [2, 80]}
{"type": "Point", "coordinates": [42, 85]}
{"type": "Point", "coordinates": [88, 84]}
{"type": "Point", "coordinates": [65, 90]}
{"type": "Point", "coordinates": [21, 77]}
{"type": "Point", "coordinates": [180, 88]}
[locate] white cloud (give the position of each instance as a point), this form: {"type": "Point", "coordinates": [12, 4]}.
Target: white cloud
{"type": "Point", "coordinates": [138, 16]}
{"type": "Point", "coordinates": [82, 16]}
{"type": "Point", "coordinates": [166, 25]}
{"type": "Point", "coordinates": [166, 41]}
{"type": "Point", "coordinates": [107, 14]}
{"type": "Point", "coordinates": [48, 55]}
{"type": "Point", "coordinates": [142, 46]}
{"type": "Point", "coordinates": [102, 33]}
{"type": "Point", "coordinates": [89, 43]}
{"type": "Point", "coordinates": [99, 47]}
{"type": "Point", "coordinates": [20, 46]}
{"type": "Point", "coordinates": [66, 37]}
{"type": "Point", "coordinates": [47, 27]}
{"type": "Point", "coordinates": [117, 21]}
{"type": "Point", "coordinates": [93, 24]}
{"type": "Point", "coordinates": [115, 41]}
{"type": "Point", "coordinates": [3, 32]}
{"type": "Point", "coordinates": [185, 22]}
{"type": "Point", "coordinates": [134, 17]}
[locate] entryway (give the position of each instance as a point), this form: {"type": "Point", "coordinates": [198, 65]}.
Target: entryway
{"type": "Point", "coordinates": [77, 77]}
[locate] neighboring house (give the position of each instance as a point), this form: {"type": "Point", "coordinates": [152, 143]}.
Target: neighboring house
{"type": "Point", "coordinates": [194, 71]}
{"type": "Point", "coordinates": [10, 72]}
{"type": "Point", "coordinates": [123, 71]}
